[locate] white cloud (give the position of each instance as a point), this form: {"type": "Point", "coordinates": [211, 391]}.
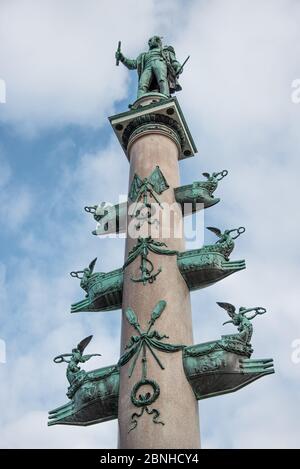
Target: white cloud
{"type": "Point", "coordinates": [57, 57]}
{"type": "Point", "coordinates": [258, 416]}
{"type": "Point", "coordinates": [40, 292]}
{"type": "Point", "coordinates": [58, 436]}
{"type": "Point", "coordinates": [236, 98]}
{"type": "Point", "coordinates": [243, 60]}
{"type": "Point", "coordinates": [15, 200]}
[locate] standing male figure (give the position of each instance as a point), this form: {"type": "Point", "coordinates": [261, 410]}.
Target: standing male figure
{"type": "Point", "coordinates": [157, 69]}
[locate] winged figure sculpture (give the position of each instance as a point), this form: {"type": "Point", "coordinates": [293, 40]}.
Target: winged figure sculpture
{"type": "Point", "coordinates": [241, 320]}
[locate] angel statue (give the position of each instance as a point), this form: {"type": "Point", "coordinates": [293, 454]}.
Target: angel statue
{"type": "Point", "coordinates": [73, 359]}
{"type": "Point", "coordinates": [86, 275]}
{"type": "Point", "coordinates": [242, 321]}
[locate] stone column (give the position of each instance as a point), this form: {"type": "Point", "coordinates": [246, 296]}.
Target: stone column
{"type": "Point", "coordinates": [148, 148]}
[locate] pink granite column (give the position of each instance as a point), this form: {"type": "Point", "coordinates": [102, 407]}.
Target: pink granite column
{"type": "Point", "coordinates": [176, 402]}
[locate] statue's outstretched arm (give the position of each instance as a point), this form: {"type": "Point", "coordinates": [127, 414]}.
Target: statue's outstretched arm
{"type": "Point", "coordinates": [247, 310]}
{"type": "Point", "coordinates": [85, 358]}
{"type": "Point", "coordinates": [257, 310]}
{"type": "Point", "coordinates": [252, 316]}
{"type": "Point", "coordinates": [129, 63]}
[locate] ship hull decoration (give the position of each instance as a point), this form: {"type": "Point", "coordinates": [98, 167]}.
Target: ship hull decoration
{"type": "Point", "coordinates": [212, 369]}
{"type": "Point", "coordinates": [191, 198]}
{"type": "Point", "coordinates": [200, 268]}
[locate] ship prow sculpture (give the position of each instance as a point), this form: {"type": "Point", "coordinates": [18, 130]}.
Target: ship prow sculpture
{"type": "Point", "coordinates": [199, 268]}
{"type": "Point", "coordinates": [191, 197]}
{"type": "Point", "coordinates": [212, 369]}
{"type": "Point", "coordinates": [158, 360]}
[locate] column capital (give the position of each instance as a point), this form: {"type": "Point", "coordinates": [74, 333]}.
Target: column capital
{"type": "Point", "coordinates": [153, 113]}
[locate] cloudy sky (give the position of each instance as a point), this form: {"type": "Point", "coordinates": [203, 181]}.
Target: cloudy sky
{"type": "Point", "coordinates": [58, 154]}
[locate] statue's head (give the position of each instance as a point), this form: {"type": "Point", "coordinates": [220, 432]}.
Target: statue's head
{"type": "Point", "coordinates": [155, 41]}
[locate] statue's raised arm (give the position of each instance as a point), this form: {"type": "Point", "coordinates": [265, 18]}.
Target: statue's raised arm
{"type": "Point", "coordinates": [158, 68]}
{"type": "Point", "coordinates": [129, 63]}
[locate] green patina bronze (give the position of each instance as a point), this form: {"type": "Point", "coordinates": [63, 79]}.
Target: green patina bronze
{"type": "Point", "coordinates": [141, 190]}
{"type": "Point", "coordinates": [104, 290]}
{"type": "Point", "coordinates": [104, 293]}
{"type": "Point", "coordinates": [240, 320]}
{"type": "Point", "coordinates": [148, 340]}
{"type": "Point", "coordinates": [191, 197]}
{"type": "Point", "coordinates": [199, 267]}
{"type": "Point", "coordinates": [224, 366]}
{"type": "Point", "coordinates": [200, 192]}
{"type": "Point", "coordinates": [143, 247]}
{"type": "Point", "coordinates": [85, 275]}
{"type": "Point", "coordinates": [209, 264]}
{"type": "Point", "coordinates": [75, 375]}
{"type": "Point", "coordinates": [93, 394]}
{"type": "Point", "coordinates": [212, 369]}
{"type": "Point", "coordinates": [158, 69]}
{"type": "Point", "coordinates": [225, 243]}
{"type": "Point", "coordinates": [95, 401]}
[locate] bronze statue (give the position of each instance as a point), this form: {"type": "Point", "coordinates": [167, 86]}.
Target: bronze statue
{"type": "Point", "coordinates": [158, 69]}
{"type": "Point", "coordinates": [73, 359]}
{"type": "Point", "coordinates": [240, 319]}
{"type": "Point", "coordinates": [225, 243]}
{"type": "Point", "coordinates": [86, 275]}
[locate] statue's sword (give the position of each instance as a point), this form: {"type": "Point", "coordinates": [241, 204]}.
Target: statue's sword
{"type": "Point", "coordinates": [118, 50]}
{"type": "Point", "coordinates": [181, 68]}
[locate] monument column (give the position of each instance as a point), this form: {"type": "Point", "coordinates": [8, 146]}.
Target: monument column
{"type": "Point", "coordinates": [154, 387]}
{"type": "Point", "coordinates": [171, 420]}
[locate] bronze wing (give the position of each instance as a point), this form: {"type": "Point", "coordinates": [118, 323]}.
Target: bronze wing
{"type": "Point", "coordinates": [92, 264]}
{"type": "Point", "coordinates": [84, 343]}
{"type": "Point", "coordinates": [217, 231]}
{"type": "Point", "coordinates": [228, 307]}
